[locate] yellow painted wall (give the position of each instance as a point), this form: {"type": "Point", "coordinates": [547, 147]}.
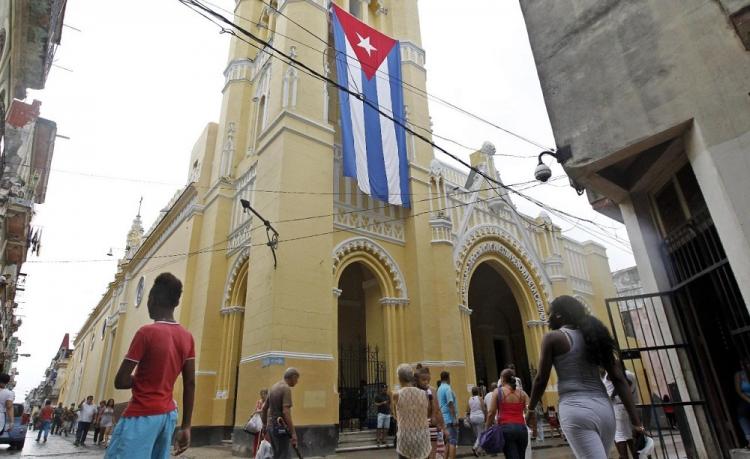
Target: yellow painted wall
{"type": "Point", "coordinates": [291, 311]}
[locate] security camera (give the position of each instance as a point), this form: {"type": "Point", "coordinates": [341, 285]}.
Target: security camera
{"type": "Point", "coordinates": [542, 172]}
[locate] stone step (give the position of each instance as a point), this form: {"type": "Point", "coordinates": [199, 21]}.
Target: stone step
{"type": "Point", "coordinates": [360, 440]}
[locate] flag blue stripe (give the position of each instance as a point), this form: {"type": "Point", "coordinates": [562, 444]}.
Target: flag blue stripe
{"type": "Point", "coordinates": [375, 160]}
{"type": "Point", "coordinates": [397, 102]}
{"type": "Point", "coordinates": [342, 71]}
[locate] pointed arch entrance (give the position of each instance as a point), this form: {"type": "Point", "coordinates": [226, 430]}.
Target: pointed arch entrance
{"type": "Point", "coordinates": [504, 304]}
{"type": "Point", "coordinates": [232, 319]}
{"type": "Point", "coordinates": [370, 300]}
{"type": "Point", "coordinates": [497, 328]}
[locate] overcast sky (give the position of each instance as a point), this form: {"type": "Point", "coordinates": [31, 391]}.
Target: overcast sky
{"type": "Point", "coordinates": [146, 77]}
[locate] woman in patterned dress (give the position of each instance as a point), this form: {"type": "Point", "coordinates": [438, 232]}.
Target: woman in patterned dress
{"type": "Point", "coordinates": [412, 413]}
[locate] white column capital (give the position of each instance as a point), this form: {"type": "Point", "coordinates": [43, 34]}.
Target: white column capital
{"type": "Point", "coordinates": [464, 310]}
{"type": "Point", "coordinates": [337, 292]}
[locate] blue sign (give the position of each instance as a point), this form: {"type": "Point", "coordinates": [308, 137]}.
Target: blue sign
{"type": "Point", "coordinates": [268, 361]}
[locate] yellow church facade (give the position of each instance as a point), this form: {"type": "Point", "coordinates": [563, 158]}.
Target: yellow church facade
{"type": "Point", "coordinates": [459, 282]}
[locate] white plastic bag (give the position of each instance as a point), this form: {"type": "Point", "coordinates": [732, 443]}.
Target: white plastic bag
{"type": "Point", "coordinates": [265, 451]}
{"type": "Point", "coordinates": [254, 424]}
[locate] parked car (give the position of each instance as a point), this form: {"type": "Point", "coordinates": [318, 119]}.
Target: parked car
{"type": "Point", "coordinates": [15, 436]}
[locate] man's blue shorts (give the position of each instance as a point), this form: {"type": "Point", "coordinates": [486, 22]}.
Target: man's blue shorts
{"type": "Point", "coordinates": [452, 434]}
{"type": "Point", "coordinates": [143, 437]}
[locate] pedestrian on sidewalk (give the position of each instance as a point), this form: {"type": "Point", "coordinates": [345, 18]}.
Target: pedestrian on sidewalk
{"type": "Point", "coordinates": [70, 420]}
{"type": "Point", "coordinates": [7, 397]}
{"type": "Point", "coordinates": [86, 415]}
{"type": "Point", "coordinates": [277, 416]}
{"type": "Point", "coordinates": [624, 439]}
{"type": "Point", "coordinates": [412, 407]}
{"type": "Point", "coordinates": [507, 410]}
{"type": "Point", "coordinates": [476, 412]}
{"type": "Point", "coordinates": [258, 410]}
{"type": "Point", "coordinates": [578, 345]}
{"type": "Point", "coordinates": [449, 409]}
{"type": "Point", "coordinates": [488, 397]}
{"type": "Point", "coordinates": [158, 353]}
{"type": "Point", "coordinates": [106, 421]}
{"type": "Point", "coordinates": [57, 419]}
{"type": "Point", "coordinates": [382, 404]}
{"type": "Point", "coordinates": [438, 433]}
{"type": "Point", "coordinates": [45, 420]}
{"type": "Point", "coordinates": [98, 433]}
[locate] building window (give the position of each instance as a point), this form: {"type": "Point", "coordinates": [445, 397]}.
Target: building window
{"type": "Point", "coordinates": [139, 291]}
{"type": "Point", "coordinates": [91, 346]}
{"type": "Point", "coordinates": [104, 329]}
{"type": "Point", "coordinates": [355, 8]}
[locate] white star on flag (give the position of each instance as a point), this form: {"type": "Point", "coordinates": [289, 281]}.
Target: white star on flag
{"type": "Point", "coordinates": [365, 44]}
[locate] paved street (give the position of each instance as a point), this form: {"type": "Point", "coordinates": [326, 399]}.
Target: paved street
{"type": "Point", "coordinates": [63, 447]}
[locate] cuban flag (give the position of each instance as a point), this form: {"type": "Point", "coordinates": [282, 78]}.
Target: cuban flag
{"type": "Point", "coordinates": [374, 147]}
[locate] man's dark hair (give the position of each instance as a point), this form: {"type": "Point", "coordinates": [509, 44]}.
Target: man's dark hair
{"type": "Point", "coordinates": [48, 402]}
{"type": "Point", "coordinates": [4, 378]}
{"type": "Point", "coordinates": [166, 291]}
{"type": "Point", "coordinates": [444, 376]}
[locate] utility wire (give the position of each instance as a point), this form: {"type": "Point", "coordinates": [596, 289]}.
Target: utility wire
{"type": "Point", "coordinates": [307, 69]}
{"type": "Point", "coordinates": [380, 74]}
{"type": "Point", "coordinates": [422, 91]}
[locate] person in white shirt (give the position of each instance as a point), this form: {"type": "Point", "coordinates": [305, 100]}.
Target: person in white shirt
{"type": "Point", "coordinates": [623, 430]}
{"type": "Point", "coordinates": [86, 413]}
{"type": "Point", "coordinates": [488, 397]}
{"type": "Point", "coordinates": [7, 397]}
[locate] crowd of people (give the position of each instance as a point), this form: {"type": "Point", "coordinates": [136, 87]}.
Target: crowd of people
{"type": "Point", "coordinates": [597, 407]}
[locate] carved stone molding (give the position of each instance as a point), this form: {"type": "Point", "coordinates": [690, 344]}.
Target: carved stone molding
{"type": "Point", "coordinates": [394, 301]}
{"type": "Point", "coordinates": [500, 242]}
{"type": "Point", "coordinates": [371, 247]}
{"type": "Point", "coordinates": [232, 310]}
{"type": "Point", "coordinates": [238, 262]}
{"type": "Point", "coordinates": [464, 310]}
{"type": "Point", "coordinates": [337, 292]}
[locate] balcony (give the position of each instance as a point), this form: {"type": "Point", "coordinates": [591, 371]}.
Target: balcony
{"type": "Point", "coordinates": [37, 29]}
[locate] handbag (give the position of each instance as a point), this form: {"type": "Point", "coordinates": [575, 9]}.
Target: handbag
{"type": "Point", "coordinates": [492, 440]}
{"type": "Point", "coordinates": [254, 425]}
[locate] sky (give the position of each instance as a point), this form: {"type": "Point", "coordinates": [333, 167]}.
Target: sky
{"type": "Point", "coordinates": [135, 87]}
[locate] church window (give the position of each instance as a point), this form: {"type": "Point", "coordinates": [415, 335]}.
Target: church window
{"type": "Point", "coordinates": [260, 121]}
{"type": "Point", "coordinates": [355, 8]}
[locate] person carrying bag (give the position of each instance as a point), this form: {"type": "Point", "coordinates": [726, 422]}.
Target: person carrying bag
{"type": "Point", "coordinates": [509, 406]}
{"type": "Point", "coordinates": [492, 440]}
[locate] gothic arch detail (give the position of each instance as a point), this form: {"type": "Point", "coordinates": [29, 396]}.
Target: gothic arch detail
{"type": "Point", "coordinates": [486, 239]}
{"type": "Point", "coordinates": [232, 278]}
{"type": "Point", "coordinates": [368, 246]}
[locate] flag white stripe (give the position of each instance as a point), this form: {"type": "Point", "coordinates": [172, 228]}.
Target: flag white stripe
{"type": "Point", "coordinates": [388, 136]}
{"type": "Point", "coordinates": [358, 121]}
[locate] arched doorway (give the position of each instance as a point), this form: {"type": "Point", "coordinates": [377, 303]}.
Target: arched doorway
{"type": "Point", "coordinates": [232, 321]}
{"type": "Point", "coordinates": [361, 338]}
{"type": "Point", "coordinates": [497, 327]}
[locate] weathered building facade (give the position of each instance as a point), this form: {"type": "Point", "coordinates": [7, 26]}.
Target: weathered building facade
{"type": "Point", "coordinates": [30, 32]}
{"type": "Point", "coordinates": [461, 281]}
{"type": "Point", "coordinates": [651, 96]}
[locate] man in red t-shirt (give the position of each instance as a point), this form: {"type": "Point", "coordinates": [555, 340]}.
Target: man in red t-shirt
{"type": "Point", "coordinates": [45, 418]}
{"type": "Point", "coordinates": [158, 353]}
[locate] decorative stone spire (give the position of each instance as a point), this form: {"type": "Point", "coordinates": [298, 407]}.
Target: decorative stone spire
{"type": "Point", "coordinates": [135, 235]}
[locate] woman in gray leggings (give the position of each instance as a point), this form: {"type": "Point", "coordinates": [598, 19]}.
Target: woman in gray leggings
{"type": "Point", "coordinates": [578, 346]}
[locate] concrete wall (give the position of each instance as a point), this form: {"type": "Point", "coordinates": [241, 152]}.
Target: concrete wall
{"type": "Point", "coordinates": [620, 77]}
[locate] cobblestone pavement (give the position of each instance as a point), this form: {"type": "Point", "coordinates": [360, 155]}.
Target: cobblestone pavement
{"type": "Point", "coordinates": [62, 447]}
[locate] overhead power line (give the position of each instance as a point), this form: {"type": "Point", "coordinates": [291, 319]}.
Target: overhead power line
{"type": "Point", "coordinates": [407, 84]}
{"type": "Point", "coordinates": [268, 47]}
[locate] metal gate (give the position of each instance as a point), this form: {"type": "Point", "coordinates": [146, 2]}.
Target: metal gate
{"type": "Point", "coordinates": [361, 377]}
{"type": "Point", "coordinates": [653, 346]}
{"type": "Point", "coordinates": [687, 344]}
